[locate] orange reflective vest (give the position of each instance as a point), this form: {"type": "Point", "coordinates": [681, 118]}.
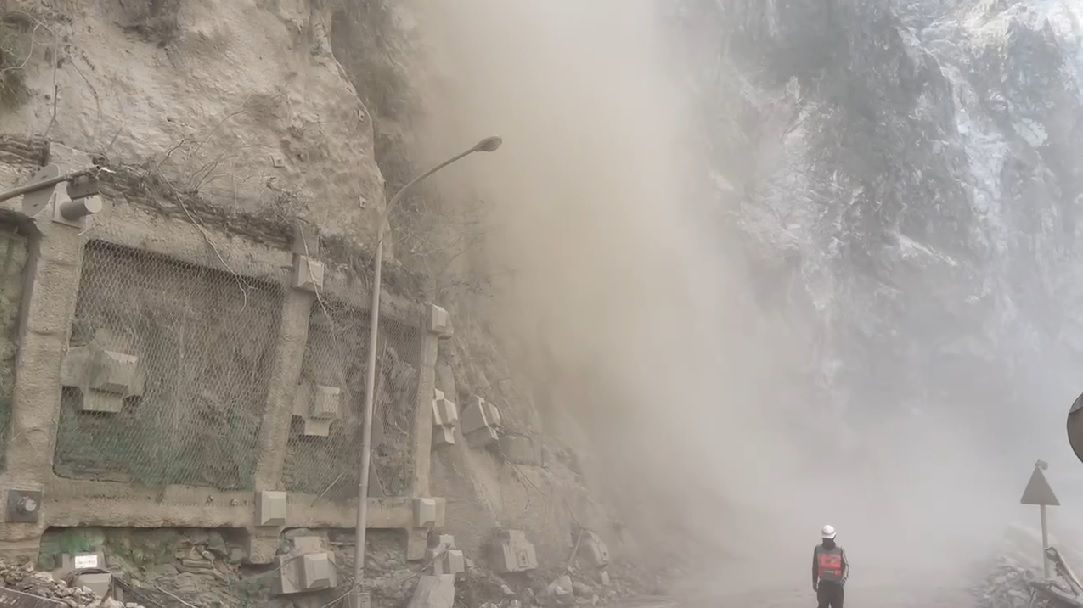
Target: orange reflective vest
{"type": "Point", "coordinates": [830, 564]}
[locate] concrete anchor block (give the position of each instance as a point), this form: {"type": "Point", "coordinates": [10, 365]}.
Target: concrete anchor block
{"type": "Point", "coordinates": [480, 422]}
{"type": "Point", "coordinates": [289, 575]}
{"type": "Point", "coordinates": [326, 402]}
{"type": "Point", "coordinates": [449, 561]}
{"type": "Point", "coordinates": [271, 508]}
{"type": "Point", "coordinates": [101, 403]}
{"type": "Point", "coordinates": [104, 378]}
{"type": "Point", "coordinates": [444, 410]}
{"type": "Point", "coordinates": [434, 592]}
{"type": "Point", "coordinates": [445, 418]}
{"type": "Point", "coordinates": [114, 372]}
{"type": "Point", "coordinates": [307, 572]}
{"type": "Point", "coordinates": [443, 436]}
{"type": "Point", "coordinates": [311, 427]}
{"type": "Point", "coordinates": [455, 562]}
{"type": "Point", "coordinates": [425, 512]}
{"type": "Point", "coordinates": [511, 552]}
{"type": "Point", "coordinates": [317, 406]}
{"type": "Point", "coordinates": [307, 273]}
{"type": "Point", "coordinates": [101, 583]}
{"type": "Point", "coordinates": [595, 552]}
{"type": "Point", "coordinates": [440, 322]}
{"type": "Point", "coordinates": [318, 571]}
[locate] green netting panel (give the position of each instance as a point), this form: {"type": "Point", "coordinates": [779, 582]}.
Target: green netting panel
{"type": "Point", "coordinates": [335, 356]}
{"type": "Point", "coordinates": [206, 342]}
{"type": "Point", "coordinates": [13, 256]}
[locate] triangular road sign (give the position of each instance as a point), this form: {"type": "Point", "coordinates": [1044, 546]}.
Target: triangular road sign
{"type": "Point", "coordinates": [1038, 491]}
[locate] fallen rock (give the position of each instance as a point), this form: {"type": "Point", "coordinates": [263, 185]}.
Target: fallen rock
{"type": "Point", "coordinates": [434, 592]}
{"type": "Point", "coordinates": [40, 584]}
{"type": "Point", "coordinates": [561, 591]}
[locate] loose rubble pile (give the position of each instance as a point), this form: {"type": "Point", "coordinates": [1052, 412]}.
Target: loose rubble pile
{"type": "Point", "coordinates": [42, 584]}
{"type": "Point", "coordinates": [1005, 586]}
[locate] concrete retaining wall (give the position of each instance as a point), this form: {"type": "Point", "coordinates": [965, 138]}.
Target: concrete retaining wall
{"type": "Point", "coordinates": [52, 266]}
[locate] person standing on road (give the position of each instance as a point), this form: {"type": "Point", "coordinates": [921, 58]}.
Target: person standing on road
{"type": "Point", "coordinates": [829, 570]}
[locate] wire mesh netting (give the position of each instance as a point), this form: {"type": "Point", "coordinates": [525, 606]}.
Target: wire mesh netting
{"type": "Point", "coordinates": [205, 341]}
{"type": "Point", "coordinates": [336, 356]}
{"type": "Point", "coordinates": [13, 255]}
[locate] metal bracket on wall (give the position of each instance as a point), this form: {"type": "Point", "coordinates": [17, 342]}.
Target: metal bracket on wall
{"type": "Point", "coordinates": [23, 506]}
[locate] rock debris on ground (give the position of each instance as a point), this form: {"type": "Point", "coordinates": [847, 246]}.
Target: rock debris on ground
{"type": "Point", "coordinates": [42, 584]}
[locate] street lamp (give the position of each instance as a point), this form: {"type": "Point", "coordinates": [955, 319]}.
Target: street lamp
{"type": "Point", "coordinates": [489, 144]}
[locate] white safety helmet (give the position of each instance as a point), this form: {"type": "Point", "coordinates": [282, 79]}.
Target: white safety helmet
{"type": "Point", "coordinates": [828, 532]}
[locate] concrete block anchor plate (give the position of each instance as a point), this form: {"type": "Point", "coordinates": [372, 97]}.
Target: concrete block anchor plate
{"type": "Point", "coordinates": [512, 552]}
{"type": "Point", "coordinates": [308, 273]}
{"type": "Point", "coordinates": [101, 583]}
{"type": "Point", "coordinates": [318, 571]}
{"type": "Point", "coordinates": [23, 506]}
{"type": "Point", "coordinates": [440, 322]}
{"type": "Point", "coordinates": [425, 512]}
{"type": "Point", "coordinates": [271, 508]}
{"type": "Point", "coordinates": [595, 551]}
{"type": "Point", "coordinates": [310, 572]}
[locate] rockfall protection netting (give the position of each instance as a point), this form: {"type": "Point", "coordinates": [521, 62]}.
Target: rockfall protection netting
{"type": "Point", "coordinates": [13, 256]}
{"type": "Point", "coordinates": [205, 340]}
{"type": "Point", "coordinates": [336, 356]}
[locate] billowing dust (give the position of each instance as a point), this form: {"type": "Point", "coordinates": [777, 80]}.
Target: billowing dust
{"type": "Point", "coordinates": [687, 396]}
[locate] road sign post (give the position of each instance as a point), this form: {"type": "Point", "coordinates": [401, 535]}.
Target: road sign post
{"type": "Point", "coordinates": [1038, 492]}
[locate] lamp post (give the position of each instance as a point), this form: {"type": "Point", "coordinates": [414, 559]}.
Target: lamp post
{"type": "Point", "coordinates": [489, 144]}
{"type": "Point", "coordinates": [51, 181]}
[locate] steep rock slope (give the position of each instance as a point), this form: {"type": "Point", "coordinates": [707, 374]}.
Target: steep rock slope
{"type": "Point", "coordinates": [915, 165]}
{"type": "Point", "coordinates": [242, 102]}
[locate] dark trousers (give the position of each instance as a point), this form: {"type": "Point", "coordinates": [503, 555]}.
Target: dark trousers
{"type": "Point", "coordinates": [829, 594]}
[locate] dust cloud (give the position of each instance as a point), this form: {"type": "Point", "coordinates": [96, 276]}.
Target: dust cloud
{"type": "Point", "coordinates": [688, 398]}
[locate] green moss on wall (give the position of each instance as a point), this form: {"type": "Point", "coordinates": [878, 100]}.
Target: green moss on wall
{"type": "Point", "coordinates": [13, 255]}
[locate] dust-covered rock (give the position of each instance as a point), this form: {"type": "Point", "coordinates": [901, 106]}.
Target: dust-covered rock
{"type": "Point", "coordinates": [42, 584]}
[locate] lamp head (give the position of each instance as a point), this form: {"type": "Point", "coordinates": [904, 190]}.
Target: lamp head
{"type": "Point", "coordinates": [489, 144]}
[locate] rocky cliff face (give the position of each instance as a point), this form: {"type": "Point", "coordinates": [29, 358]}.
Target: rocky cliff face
{"type": "Point", "coordinates": [904, 178]}
{"type": "Point", "coordinates": [241, 102]}
{"type": "Point", "coordinates": [278, 111]}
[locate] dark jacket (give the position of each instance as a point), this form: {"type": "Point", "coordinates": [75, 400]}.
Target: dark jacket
{"type": "Point", "coordinates": [828, 551]}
